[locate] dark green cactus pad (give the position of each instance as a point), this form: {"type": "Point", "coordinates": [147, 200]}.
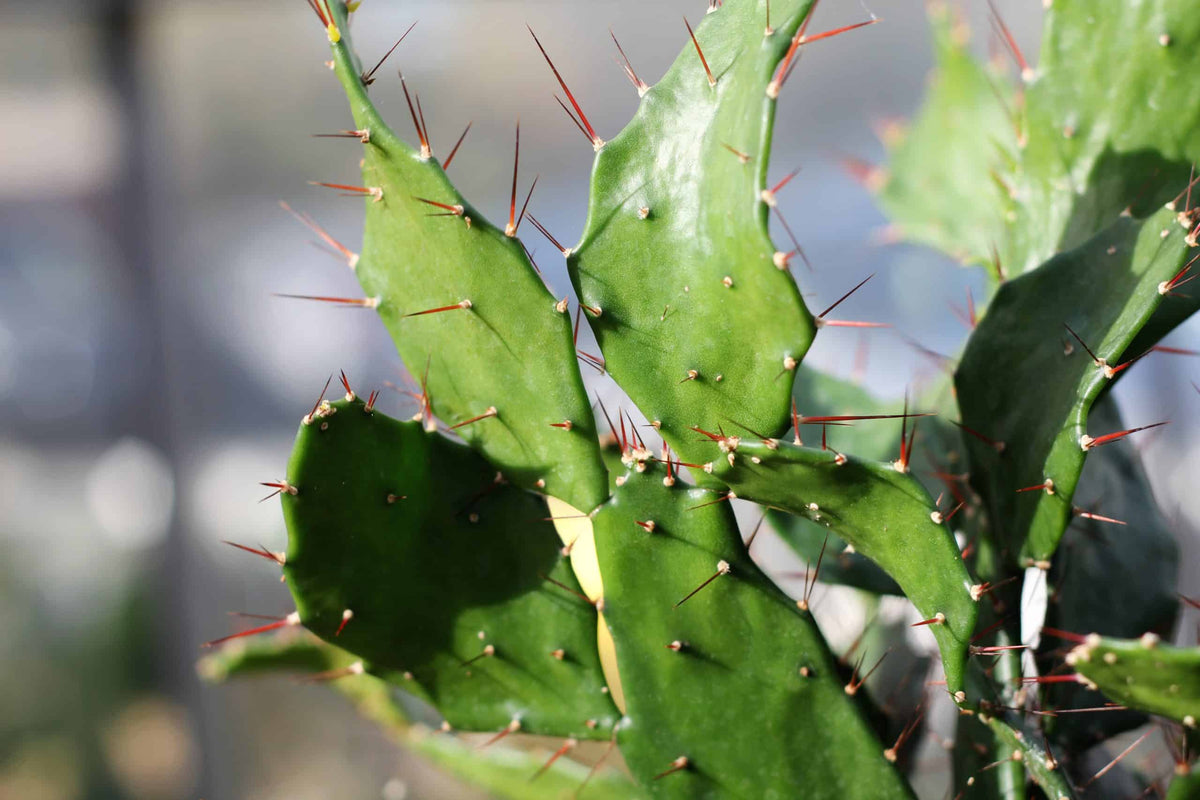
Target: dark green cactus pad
{"type": "Point", "coordinates": [944, 186]}
{"type": "Point", "coordinates": [448, 574]}
{"type": "Point", "coordinates": [1026, 384]}
{"type": "Point", "coordinates": [697, 321]}
{"type": "Point", "coordinates": [504, 772]}
{"type": "Point", "coordinates": [734, 679]}
{"type": "Point", "coordinates": [511, 350]}
{"type": "Point", "coordinates": [1185, 786]}
{"type": "Point", "coordinates": [1116, 580]}
{"type": "Point", "coordinates": [1144, 674]}
{"type": "Point", "coordinates": [886, 515]}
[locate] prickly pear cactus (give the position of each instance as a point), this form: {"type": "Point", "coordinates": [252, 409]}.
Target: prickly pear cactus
{"type": "Point", "coordinates": [539, 580]}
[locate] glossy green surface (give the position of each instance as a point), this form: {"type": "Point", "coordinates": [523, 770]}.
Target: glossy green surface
{"type": "Point", "coordinates": [1144, 674]}
{"type": "Point", "coordinates": [438, 562]}
{"type": "Point", "coordinates": [751, 697]}
{"type": "Point", "coordinates": [414, 262]}
{"type": "Point", "coordinates": [885, 514]}
{"type": "Point", "coordinates": [690, 284]}
{"type": "Point", "coordinates": [1026, 382]}
{"type": "Point", "coordinates": [1115, 580]}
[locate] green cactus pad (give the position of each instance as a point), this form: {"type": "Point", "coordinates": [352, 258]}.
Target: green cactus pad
{"type": "Point", "coordinates": [511, 350]}
{"type": "Point", "coordinates": [1116, 580]}
{"type": "Point", "coordinates": [1111, 118]}
{"type": "Point", "coordinates": [504, 772]}
{"type": "Point", "coordinates": [1185, 786]}
{"type": "Point", "coordinates": [1143, 673]}
{"type": "Point", "coordinates": [818, 394]}
{"type": "Point", "coordinates": [1107, 123]}
{"type": "Point", "coordinates": [1026, 384]}
{"type": "Point", "coordinates": [697, 322]}
{"type": "Point", "coordinates": [449, 576]}
{"type": "Point", "coordinates": [734, 679]}
{"type": "Point", "coordinates": [943, 185]}
{"type": "Point", "coordinates": [886, 515]}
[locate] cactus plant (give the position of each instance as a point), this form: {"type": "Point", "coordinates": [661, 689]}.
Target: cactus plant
{"type": "Point", "coordinates": [536, 580]}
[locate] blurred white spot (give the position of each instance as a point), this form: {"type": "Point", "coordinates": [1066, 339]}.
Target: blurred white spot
{"type": "Point", "coordinates": [221, 493]}
{"type": "Point", "coordinates": [151, 750]}
{"type": "Point", "coordinates": [395, 789]}
{"type": "Point", "coordinates": [130, 493]}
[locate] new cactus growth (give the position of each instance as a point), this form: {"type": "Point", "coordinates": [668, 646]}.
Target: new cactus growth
{"type": "Point", "coordinates": [538, 581]}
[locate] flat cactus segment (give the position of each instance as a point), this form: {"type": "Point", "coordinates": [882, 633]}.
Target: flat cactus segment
{"type": "Point", "coordinates": [503, 772]}
{"type": "Point", "coordinates": [500, 342]}
{"type": "Point", "coordinates": [886, 515]}
{"type": "Point", "coordinates": [1144, 674]}
{"type": "Point", "coordinates": [697, 322]}
{"type": "Point", "coordinates": [1026, 380]}
{"type": "Point", "coordinates": [1116, 580]}
{"type": "Point", "coordinates": [1185, 785]}
{"type": "Point", "coordinates": [405, 550]}
{"type": "Point", "coordinates": [1111, 120]}
{"type": "Point", "coordinates": [731, 692]}
{"type": "Point", "coordinates": [944, 185]}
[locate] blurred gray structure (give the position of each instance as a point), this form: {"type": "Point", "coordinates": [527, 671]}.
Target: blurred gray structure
{"type": "Point", "coordinates": [149, 379]}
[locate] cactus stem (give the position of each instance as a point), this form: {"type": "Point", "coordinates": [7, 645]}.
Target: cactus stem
{"type": "Point", "coordinates": [491, 412]}
{"type": "Point", "coordinates": [280, 487]}
{"type": "Point", "coordinates": [511, 727]}
{"type": "Point", "coordinates": [291, 620]}
{"type": "Point", "coordinates": [998, 446]}
{"type": "Point", "coordinates": [345, 252]}
{"type": "Point", "coordinates": [567, 746]}
{"type": "Point", "coordinates": [627, 66]}
{"type": "Point", "coordinates": [418, 120]}
{"type": "Point", "coordinates": [566, 251]}
{"type": "Point", "coordinates": [1079, 512]}
{"type": "Point", "coordinates": [676, 765]}
{"type": "Point", "coordinates": [369, 77]}
{"type": "Point", "coordinates": [704, 61]}
{"type": "Point", "coordinates": [723, 568]}
{"type": "Point", "coordinates": [375, 192]}
{"type": "Point", "coordinates": [458, 144]}
{"type": "Point", "coordinates": [856, 683]}
{"type": "Point", "coordinates": [1027, 73]}
{"type": "Point", "coordinates": [261, 552]}
{"type": "Point", "coordinates": [1087, 442]}
{"type": "Point", "coordinates": [487, 652]}
{"type": "Point", "coordinates": [589, 131]}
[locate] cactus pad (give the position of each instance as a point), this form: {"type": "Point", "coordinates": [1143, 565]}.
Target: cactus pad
{"type": "Point", "coordinates": [730, 692]}
{"type": "Point", "coordinates": [404, 549]}
{"type": "Point", "coordinates": [1143, 673]}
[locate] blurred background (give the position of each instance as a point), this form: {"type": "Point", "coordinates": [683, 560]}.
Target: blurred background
{"type": "Point", "coordinates": [149, 379]}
